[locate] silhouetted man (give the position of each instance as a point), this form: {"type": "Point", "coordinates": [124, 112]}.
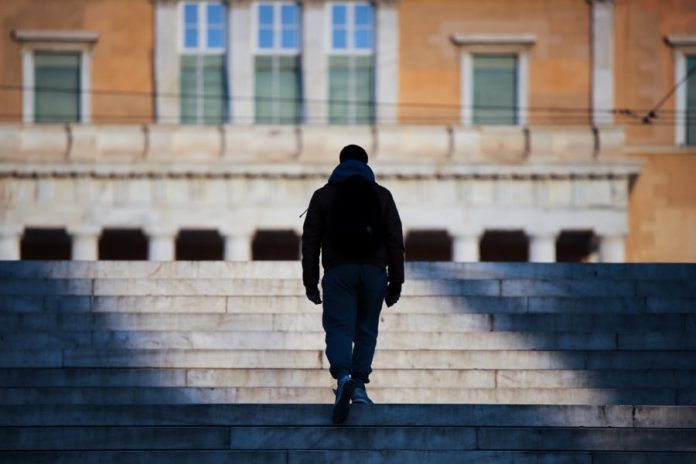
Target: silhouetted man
{"type": "Point", "coordinates": [355, 223]}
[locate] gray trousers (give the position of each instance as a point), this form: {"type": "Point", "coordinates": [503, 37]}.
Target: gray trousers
{"type": "Point", "coordinates": [353, 296]}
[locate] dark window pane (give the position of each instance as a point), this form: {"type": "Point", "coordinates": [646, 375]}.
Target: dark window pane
{"type": "Point", "coordinates": [46, 244]}
{"type": "Point", "coordinates": [428, 245]}
{"type": "Point", "coordinates": [276, 245]}
{"type": "Point", "coordinates": [575, 246]}
{"type": "Point", "coordinates": [123, 244]}
{"type": "Point", "coordinates": [504, 246]}
{"type": "Point", "coordinates": [691, 102]}
{"type": "Point", "coordinates": [199, 245]}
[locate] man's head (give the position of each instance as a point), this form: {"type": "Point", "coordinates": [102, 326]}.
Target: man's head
{"type": "Point", "coordinates": [353, 152]}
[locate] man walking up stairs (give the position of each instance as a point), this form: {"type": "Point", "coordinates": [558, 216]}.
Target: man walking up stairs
{"type": "Point", "coordinates": [354, 223]}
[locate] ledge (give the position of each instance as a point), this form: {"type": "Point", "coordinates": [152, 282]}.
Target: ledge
{"type": "Point", "coordinates": [680, 40]}
{"type": "Point", "coordinates": [494, 39]}
{"type": "Point", "coordinates": [392, 170]}
{"type": "Point", "coordinates": [25, 35]}
{"type": "Point", "coordinates": [29, 143]}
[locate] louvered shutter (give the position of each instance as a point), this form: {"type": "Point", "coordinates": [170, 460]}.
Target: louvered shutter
{"type": "Point", "coordinates": [57, 87]}
{"type": "Point", "coordinates": [495, 89]}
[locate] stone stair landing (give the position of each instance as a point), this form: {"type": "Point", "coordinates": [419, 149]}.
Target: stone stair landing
{"type": "Point", "coordinates": [121, 362]}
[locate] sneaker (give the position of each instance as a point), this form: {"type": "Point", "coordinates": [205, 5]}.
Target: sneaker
{"type": "Point", "coordinates": [360, 396]}
{"type": "Point", "coordinates": [342, 405]}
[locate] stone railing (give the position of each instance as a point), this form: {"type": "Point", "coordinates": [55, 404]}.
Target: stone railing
{"type": "Point", "coordinates": [230, 143]}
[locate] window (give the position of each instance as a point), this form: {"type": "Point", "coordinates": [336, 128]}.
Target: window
{"type": "Point", "coordinates": [351, 64]}
{"type": "Point", "coordinates": [495, 89]}
{"type": "Point", "coordinates": [203, 85]}
{"type": "Point", "coordinates": [57, 75]}
{"type": "Point", "coordinates": [57, 87]}
{"type": "Point", "coordinates": [494, 77]}
{"type": "Point", "coordinates": [277, 64]}
{"type": "Point", "coordinates": [691, 101]}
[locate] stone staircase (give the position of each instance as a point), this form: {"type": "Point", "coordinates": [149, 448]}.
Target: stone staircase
{"type": "Point", "coordinates": [482, 362]}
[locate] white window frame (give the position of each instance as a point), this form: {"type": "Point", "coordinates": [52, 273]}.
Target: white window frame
{"type": "Point", "coordinates": [683, 47]}
{"type": "Point", "coordinates": [350, 49]}
{"type": "Point", "coordinates": [32, 42]}
{"type": "Point", "coordinates": [202, 48]}
{"type": "Point", "coordinates": [471, 45]}
{"type": "Point", "coordinates": [277, 48]}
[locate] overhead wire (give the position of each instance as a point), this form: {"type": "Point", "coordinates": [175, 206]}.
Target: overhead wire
{"type": "Point", "coordinates": [545, 114]}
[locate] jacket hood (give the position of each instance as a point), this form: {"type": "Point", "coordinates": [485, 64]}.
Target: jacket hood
{"type": "Point", "coordinates": [350, 168]}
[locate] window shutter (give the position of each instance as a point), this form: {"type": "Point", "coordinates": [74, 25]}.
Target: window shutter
{"type": "Point", "coordinates": [339, 70]}
{"type": "Point", "coordinates": [691, 103]}
{"type": "Point", "coordinates": [289, 85]}
{"type": "Point", "coordinates": [214, 89]}
{"type": "Point", "coordinates": [495, 89]}
{"type": "Point", "coordinates": [188, 97]}
{"type": "Point", "coordinates": [203, 92]}
{"type": "Point", "coordinates": [364, 88]}
{"type": "Point", "coordinates": [57, 87]}
{"type": "Point", "coordinates": [264, 90]}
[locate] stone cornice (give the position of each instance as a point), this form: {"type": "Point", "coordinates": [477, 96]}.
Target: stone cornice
{"type": "Point", "coordinates": [593, 170]}
{"type": "Point", "coordinates": [493, 39]}
{"type": "Point", "coordinates": [25, 35]}
{"type": "Point", "coordinates": [681, 40]}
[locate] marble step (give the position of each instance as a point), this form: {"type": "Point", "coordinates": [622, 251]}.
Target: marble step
{"type": "Point", "coordinates": [275, 304]}
{"type": "Point", "coordinates": [344, 457]}
{"type": "Point", "coordinates": [391, 321]}
{"type": "Point", "coordinates": [297, 340]}
{"type": "Point", "coordinates": [268, 415]}
{"type": "Point", "coordinates": [395, 437]}
{"type": "Point", "coordinates": [292, 269]}
{"type": "Point", "coordinates": [598, 287]}
{"type": "Point", "coordinates": [405, 395]}
{"type": "Point", "coordinates": [384, 378]}
{"type": "Point", "coordinates": [384, 359]}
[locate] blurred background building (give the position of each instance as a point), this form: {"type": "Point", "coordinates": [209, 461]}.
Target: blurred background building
{"type": "Point", "coordinates": [507, 130]}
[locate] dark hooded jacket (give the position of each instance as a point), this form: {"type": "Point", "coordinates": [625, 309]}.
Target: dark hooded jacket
{"type": "Point", "coordinates": [315, 235]}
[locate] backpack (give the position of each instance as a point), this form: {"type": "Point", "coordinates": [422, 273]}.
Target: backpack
{"type": "Point", "coordinates": [356, 226]}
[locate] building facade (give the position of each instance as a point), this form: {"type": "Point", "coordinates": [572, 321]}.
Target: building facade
{"type": "Point", "coordinates": [506, 129]}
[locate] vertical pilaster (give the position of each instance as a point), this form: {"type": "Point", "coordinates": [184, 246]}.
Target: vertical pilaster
{"type": "Point", "coordinates": [167, 70]}
{"type": "Point", "coordinates": [10, 236]}
{"type": "Point", "coordinates": [387, 61]}
{"type": "Point", "coordinates": [602, 61]}
{"type": "Point", "coordinates": [161, 244]}
{"type": "Point", "coordinates": [237, 246]}
{"type": "Point", "coordinates": [240, 63]}
{"type": "Point", "coordinates": [85, 241]}
{"type": "Point", "coordinates": [612, 249]}
{"type": "Point", "coordinates": [465, 247]}
{"type": "Point", "coordinates": [315, 72]}
{"type": "Point", "coordinates": [542, 248]}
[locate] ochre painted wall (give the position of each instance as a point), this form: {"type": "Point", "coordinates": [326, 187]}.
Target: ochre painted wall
{"type": "Point", "coordinates": [644, 63]}
{"type": "Point", "coordinates": [559, 62]}
{"type": "Point", "coordinates": [662, 209]}
{"type": "Point", "coordinates": [122, 57]}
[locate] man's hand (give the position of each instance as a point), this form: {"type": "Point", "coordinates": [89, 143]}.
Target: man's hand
{"type": "Point", "coordinates": [313, 294]}
{"type": "Point", "coordinates": [393, 294]}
